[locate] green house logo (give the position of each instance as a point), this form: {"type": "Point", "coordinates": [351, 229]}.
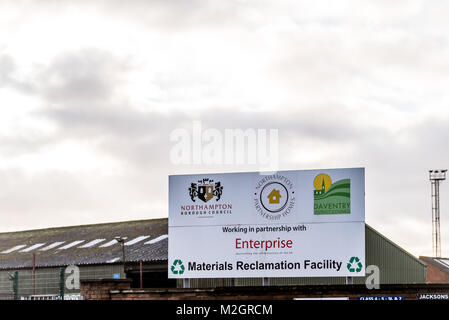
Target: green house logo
{"type": "Point", "coordinates": [354, 265]}
{"type": "Point", "coordinates": [177, 267]}
{"type": "Point", "coordinates": [331, 198]}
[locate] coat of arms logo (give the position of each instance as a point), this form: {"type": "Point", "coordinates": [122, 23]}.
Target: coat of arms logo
{"type": "Point", "coordinates": [205, 190]}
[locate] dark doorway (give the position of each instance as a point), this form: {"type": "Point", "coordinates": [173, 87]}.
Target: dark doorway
{"type": "Point", "coordinates": [153, 276]}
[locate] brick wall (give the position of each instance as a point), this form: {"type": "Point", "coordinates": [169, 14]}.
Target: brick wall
{"type": "Point", "coordinates": [279, 292]}
{"type": "Point", "coordinates": [436, 275]}
{"type": "Point", "coordinates": [99, 289]}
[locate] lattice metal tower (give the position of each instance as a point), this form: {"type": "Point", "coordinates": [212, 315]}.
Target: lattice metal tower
{"type": "Point", "coordinates": [435, 177]}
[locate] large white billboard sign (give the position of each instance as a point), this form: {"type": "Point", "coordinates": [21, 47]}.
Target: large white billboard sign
{"type": "Point", "coordinates": [308, 223]}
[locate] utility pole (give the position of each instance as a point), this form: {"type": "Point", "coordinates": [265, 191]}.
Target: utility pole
{"type": "Point", "coordinates": [435, 176]}
{"type": "Point", "coordinates": [141, 274]}
{"type": "Point", "coordinates": [34, 273]}
{"type": "Point", "coordinates": [121, 240]}
{"type": "Point", "coordinates": [33, 268]}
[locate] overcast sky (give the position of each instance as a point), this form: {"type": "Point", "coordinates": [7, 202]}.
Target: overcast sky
{"type": "Point", "coordinates": [90, 91]}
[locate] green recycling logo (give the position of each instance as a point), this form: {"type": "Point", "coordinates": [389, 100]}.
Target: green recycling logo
{"type": "Point", "coordinates": [354, 265]}
{"type": "Point", "coordinates": [177, 267]}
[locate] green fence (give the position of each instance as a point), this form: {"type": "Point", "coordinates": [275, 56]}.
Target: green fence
{"type": "Point", "coordinates": [48, 281]}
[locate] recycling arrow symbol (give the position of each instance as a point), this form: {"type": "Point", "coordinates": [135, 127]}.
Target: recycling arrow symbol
{"type": "Point", "coordinates": [177, 267]}
{"type": "Point", "coordinates": [354, 265]}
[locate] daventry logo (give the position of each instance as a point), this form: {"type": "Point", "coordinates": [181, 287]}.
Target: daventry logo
{"type": "Point", "coordinates": [274, 196]}
{"type": "Point", "coordinates": [205, 190]}
{"type": "Point", "coordinates": [177, 267]}
{"type": "Point", "coordinates": [331, 198]}
{"type": "Point", "coordinates": [354, 265]}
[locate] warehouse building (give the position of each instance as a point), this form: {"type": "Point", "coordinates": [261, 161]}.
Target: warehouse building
{"type": "Point", "coordinates": [34, 263]}
{"type": "Point", "coordinates": [437, 269]}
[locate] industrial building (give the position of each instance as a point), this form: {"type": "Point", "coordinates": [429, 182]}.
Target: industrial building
{"type": "Point", "coordinates": [437, 269]}
{"type": "Point", "coordinates": [33, 263]}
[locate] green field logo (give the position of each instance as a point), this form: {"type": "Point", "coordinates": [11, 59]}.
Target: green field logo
{"type": "Point", "coordinates": [331, 198]}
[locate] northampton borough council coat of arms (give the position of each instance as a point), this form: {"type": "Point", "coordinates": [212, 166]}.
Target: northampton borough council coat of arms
{"type": "Point", "coordinates": [205, 190]}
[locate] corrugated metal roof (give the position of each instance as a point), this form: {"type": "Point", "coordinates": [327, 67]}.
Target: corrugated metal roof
{"type": "Point", "coordinates": [86, 244]}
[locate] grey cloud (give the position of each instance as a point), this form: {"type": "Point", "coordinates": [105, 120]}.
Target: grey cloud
{"type": "Point", "coordinates": [7, 67]}
{"type": "Point", "coordinates": [8, 75]}
{"type": "Point", "coordinates": [331, 122]}
{"type": "Point", "coordinates": [332, 60]}
{"type": "Point", "coordinates": [57, 198]}
{"type": "Point", "coordinates": [141, 140]}
{"type": "Point", "coordinates": [179, 15]}
{"type": "Point", "coordinates": [164, 15]}
{"type": "Point", "coordinates": [134, 138]}
{"type": "Point", "coordinates": [25, 144]}
{"type": "Point", "coordinates": [87, 76]}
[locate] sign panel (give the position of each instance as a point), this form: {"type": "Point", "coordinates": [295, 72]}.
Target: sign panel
{"type": "Point", "coordinates": [288, 224]}
{"type": "Point", "coordinates": [433, 296]}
